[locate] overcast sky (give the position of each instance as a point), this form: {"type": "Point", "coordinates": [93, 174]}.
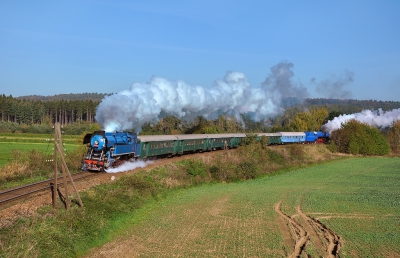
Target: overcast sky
{"type": "Point", "coordinates": [338, 49]}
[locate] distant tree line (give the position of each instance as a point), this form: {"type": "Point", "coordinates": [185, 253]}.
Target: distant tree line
{"type": "Point", "coordinates": [77, 116]}
{"type": "Point", "coordinates": [71, 96]}
{"type": "Point", "coordinates": [350, 106]}
{"type": "Point", "coordinates": [22, 111]}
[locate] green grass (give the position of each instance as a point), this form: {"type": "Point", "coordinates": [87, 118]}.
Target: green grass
{"type": "Point", "coordinates": [360, 196]}
{"type": "Point", "coordinates": [356, 198]}
{"type": "Point", "coordinates": [35, 150]}
{"type": "Point", "coordinates": [37, 138]}
{"type": "Point", "coordinates": [7, 148]}
{"type": "Point", "coordinates": [26, 142]}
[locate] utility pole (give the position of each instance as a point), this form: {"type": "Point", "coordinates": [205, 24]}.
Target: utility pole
{"type": "Point", "coordinates": [58, 149]}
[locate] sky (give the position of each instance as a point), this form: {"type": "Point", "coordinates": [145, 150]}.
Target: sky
{"type": "Point", "coordinates": [335, 49]}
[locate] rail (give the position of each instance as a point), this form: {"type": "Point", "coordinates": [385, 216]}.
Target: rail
{"type": "Point", "coordinates": [26, 190]}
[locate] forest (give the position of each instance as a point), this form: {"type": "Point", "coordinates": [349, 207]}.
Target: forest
{"type": "Point", "coordinates": [25, 111]}
{"type": "Point", "coordinates": [34, 114]}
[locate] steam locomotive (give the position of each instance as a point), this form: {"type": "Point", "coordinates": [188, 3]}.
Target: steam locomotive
{"type": "Point", "coordinates": [111, 149]}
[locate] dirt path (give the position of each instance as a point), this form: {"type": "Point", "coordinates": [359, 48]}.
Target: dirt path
{"type": "Point", "coordinates": [304, 229]}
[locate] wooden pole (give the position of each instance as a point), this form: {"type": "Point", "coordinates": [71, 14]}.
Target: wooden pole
{"type": "Point", "coordinates": [70, 178]}
{"type": "Point", "coordinates": [58, 147]}
{"type": "Point", "coordinates": [55, 184]}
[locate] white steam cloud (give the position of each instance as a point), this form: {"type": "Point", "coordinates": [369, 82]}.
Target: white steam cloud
{"type": "Point", "coordinates": [377, 118]}
{"type": "Point", "coordinates": [150, 101]}
{"type": "Point", "coordinates": [129, 166]}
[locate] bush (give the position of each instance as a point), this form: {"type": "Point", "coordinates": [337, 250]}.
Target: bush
{"type": "Point", "coordinates": [195, 167]}
{"type": "Point", "coordinates": [393, 137]}
{"type": "Point", "coordinates": [144, 184]}
{"type": "Point", "coordinates": [249, 139]}
{"type": "Point", "coordinates": [275, 157]}
{"type": "Point", "coordinates": [76, 128]}
{"type": "Point", "coordinates": [80, 128]}
{"type": "Point", "coordinates": [263, 142]}
{"type": "Point", "coordinates": [8, 127]}
{"type": "Point", "coordinates": [358, 138]}
{"type": "Point", "coordinates": [247, 170]}
{"type": "Point", "coordinates": [332, 147]}
{"type": "Point", "coordinates": [296, 151]}
{"type": "Point", "coordinates": [223, 171]}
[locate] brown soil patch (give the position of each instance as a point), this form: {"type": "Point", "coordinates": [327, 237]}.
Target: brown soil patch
{"type": "Point", "coordinates": [304, 229]}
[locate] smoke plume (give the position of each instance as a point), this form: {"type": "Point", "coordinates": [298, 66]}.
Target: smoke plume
{"type": "Point", "coordinates": [279, 84]}
{"type": "Point", "coordinates": [159, 97]}
{"type": "Point", "coordinates": [334, 88]}
{"type": "Point", "coordinates": [377, 118]}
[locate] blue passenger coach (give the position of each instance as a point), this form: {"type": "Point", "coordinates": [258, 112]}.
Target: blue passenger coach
{"type": "Point", "coordinates": [293, 137]}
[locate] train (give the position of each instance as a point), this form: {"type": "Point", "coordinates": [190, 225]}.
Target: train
{"type": "Point", "coordinates": [111, 149]}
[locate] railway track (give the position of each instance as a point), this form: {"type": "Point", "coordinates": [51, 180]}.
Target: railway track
{"type": "Point", "coordinates": [17, 193]}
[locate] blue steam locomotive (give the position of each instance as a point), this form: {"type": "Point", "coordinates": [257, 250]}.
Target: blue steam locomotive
{"type": "Point", "coordinates": [110, 149]}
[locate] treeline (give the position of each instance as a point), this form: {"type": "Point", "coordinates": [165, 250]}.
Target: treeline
{"type": "Point", "coordinates": [70, 96]}
{"type": "Point", "coordinates": [71, 108]}
{"type": "Point", "coordinates": [293, 119]}
{"type": "Point", "coordinates": [77, 116]}
{"type": "Point", "coordinates": [22, 111]}
{"type": "Point", "coordinates": [350, 106]}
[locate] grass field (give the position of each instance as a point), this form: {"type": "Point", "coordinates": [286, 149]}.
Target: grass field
{"type": "Point", "coordinates": [356, 199]}
{"type": "Point", "coordinates": [349, 206]}
{"type": "Point", "coordinates": [7, 148]}
{"type": "Point", "coordinates": [35, 138]}
{"type": "Point", "coordinates": [27, 142]}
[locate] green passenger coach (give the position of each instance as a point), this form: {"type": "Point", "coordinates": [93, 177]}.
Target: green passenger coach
{"type": "Point", "coordinates": [157, 145]}
{"type": "Point", "coordinates": [170, 145]}
{"type": "Point", "coordinates": [273, 138]}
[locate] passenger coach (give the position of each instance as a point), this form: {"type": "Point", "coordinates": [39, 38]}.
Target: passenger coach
{"type": "Point", "coordinates": [170, 145]}
{"type": "Point", "coordinates": [293, 137]}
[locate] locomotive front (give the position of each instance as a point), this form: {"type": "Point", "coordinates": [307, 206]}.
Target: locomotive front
{"type": "Point", "coordinates": [96, 158]}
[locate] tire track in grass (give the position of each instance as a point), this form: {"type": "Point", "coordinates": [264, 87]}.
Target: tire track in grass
{"type": "Point", "coordinates": [300, 234]}
{"type": "Point", "coordinates": [307, 228]}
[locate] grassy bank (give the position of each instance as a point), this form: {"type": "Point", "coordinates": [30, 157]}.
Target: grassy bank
{"type": "Point", "coordinates": [113, 208]}
{"type": "Point", "coordinates": [239, 220]}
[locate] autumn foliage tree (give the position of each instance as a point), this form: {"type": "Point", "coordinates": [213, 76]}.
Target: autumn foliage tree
{"type": "Point", "coordinates": [311, 120]}
{"type": "Point", "coordinates": [393, 137]}
{"type": "Point", "coordinates": [358, 138]}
